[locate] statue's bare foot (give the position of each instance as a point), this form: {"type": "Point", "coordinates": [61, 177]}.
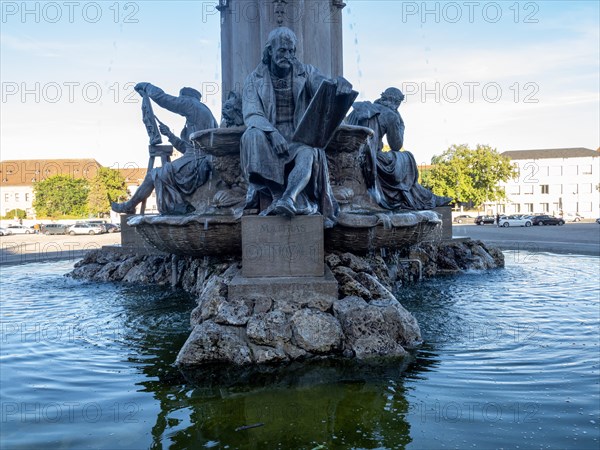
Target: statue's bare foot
{"type": "Point", "coordinates": [123, 208]}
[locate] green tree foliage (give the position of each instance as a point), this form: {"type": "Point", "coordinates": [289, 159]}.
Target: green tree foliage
{"type": "Point", "coordinates": [107, 183]}
{"type": "Point", "coordinates": [15, 213]}
{"type": "Point", "coordinates": [61, 196]}
{"type": "Point", "coordinates": [469, 175]}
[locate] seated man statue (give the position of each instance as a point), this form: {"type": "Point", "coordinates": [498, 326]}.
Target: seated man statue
{"type": "Point", "coordinates": [392, 177]}
{"type": "Point", "coordinates": [293, 176]}
{"type": "Point", "coordinates": [175, 180]}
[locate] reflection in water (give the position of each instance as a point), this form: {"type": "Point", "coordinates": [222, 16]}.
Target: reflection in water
{"type": "Point", "coordinates": [510, 359]}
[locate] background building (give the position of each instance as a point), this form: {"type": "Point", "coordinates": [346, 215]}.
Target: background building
{"type": "Point", "coordinates": [552, 181]}
{"type": "Point", "coordinates": [17, 179]}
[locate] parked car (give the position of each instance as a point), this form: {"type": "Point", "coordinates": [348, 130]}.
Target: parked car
{"type": "Point", "coordinates": [112, 228]}
{"type": "Point", "coordinates": [84, 228]}
{"type": "Point", "coordinates": [515, 221]}
{"type": "Point", "coordinates": [20, 229]}
{"type": "Point", "coordinates": [54, 228]}
{"type": "Point", "coordinates": [5, 232]}
{"type": "Point", "coordinates": [572, 217]}
{"type": "Point", "coordinates": [97, 223]}
{"type": "Point", "coordinates": [598, 220]}
{"type": "Point", "coordinates": [547, 220]}
{"type": "Point", "coordinates": [463, 218]}
{"type": "Point", "coordinates": [482, 220]}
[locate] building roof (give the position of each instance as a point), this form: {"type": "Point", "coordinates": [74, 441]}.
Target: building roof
{"type": "Point", "coordinates": [578, 152]}
{"type": "Point", "coordinates": [25, 172]}
{"type": "Point", "coordinates": [133, 175]}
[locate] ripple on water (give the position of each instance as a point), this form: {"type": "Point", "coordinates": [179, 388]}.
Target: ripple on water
{"type": "Point", "coordinates": [510, 359]}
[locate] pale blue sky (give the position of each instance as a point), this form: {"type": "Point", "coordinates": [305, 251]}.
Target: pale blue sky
{"type": "Point", "coordinates": [532, 69]}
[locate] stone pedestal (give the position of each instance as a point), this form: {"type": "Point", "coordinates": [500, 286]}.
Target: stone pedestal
{"type": "Point", "coordinates": [445, 213]}
{"type": "Point", "coordinates": [277, 246]}
{"type": "Point", "coordinates": [293, 290]}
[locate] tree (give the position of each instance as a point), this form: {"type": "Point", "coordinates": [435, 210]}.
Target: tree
{"type": "Point", "coordinates": [15, 214]}
{"type": "Point", "coordinates": [107, 183]}
{"type": "Point", "coordinates": [61, 195]}
{"type": "Point", "coordinates": [469, 175]}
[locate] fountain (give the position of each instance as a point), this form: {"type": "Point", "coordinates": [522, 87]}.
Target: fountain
{"type": "Point", "coordinates": [323, 226]}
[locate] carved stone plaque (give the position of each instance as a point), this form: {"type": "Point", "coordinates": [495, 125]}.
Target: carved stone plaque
{"type": "Point", "coordinates": [278, 246]}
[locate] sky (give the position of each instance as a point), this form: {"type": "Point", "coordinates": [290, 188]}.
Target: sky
{"type": "Point", "coordinates": [514, 75]}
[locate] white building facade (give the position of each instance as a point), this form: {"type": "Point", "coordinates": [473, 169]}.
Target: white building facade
{"type": "Point", "coordinates": [552, 181]}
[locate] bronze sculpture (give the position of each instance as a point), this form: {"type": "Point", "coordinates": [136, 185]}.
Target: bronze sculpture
{"type": "Point", "coordinates": [292, 176]}
{"type": "Point", "coordinates": [174, 180]}
{"type": "Point", "coordinates": [392, 177]}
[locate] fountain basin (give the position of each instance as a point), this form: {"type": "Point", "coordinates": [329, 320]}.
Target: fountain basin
{"type": "Point", "coordinates": [364, 233]}
{"type": "Point", "coordinates": [191, 235]}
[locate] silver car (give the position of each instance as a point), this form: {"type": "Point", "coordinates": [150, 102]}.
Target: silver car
{"type": "Point", "coordinates": [84, 228]}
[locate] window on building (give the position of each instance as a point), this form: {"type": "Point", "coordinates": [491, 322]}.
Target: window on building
{"type": "Point", "coordinates": [555, 208]}
{"type": "Point", "coordinates": [555, 171]}
{"type": "Point", "coordinates": [17, 197]}
{"type": "Point", "coordinates": [517, 208]}
{"type": "Point", "coordinates": [572, 189]}
{"type": "Point", "coordinates": [571, 171]}
{"type": "Point", "coordinates": [6, 197]}
{"type": "Point", "coordinates": [544, 171]}
{"type": "Point", "coordinates": [545, 207]}
{"type": "Point", "coordinates": [528, 189]}
{"type": "Point", "coordinates": [556, 189]}
{"type": "Point", "coordinates": [586, 169]}
{"type": "Point", "coordinates": [585, 188]}
{"type": "Point", "coordinates": [26, 197]}
{"type": "Point", "coordinates": [501, 209]}
{"type": "Point", "coordinates": [585, 206]}
{"type": "Point", "coordinates": [514, 189]}
{"type": "Point", "coordinates": [528, 207]}
{"type": "Point", "coordinates": [545, 189]}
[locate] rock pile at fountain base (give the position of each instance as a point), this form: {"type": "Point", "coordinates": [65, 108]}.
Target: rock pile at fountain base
{"type": "Point", "coordinates": [364, 320]}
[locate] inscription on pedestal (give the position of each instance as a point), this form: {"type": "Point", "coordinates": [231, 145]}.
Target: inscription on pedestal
{"type": "Point", "coordinates": [282, 247]}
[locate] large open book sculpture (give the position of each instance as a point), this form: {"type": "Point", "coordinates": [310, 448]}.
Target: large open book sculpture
{"type": "Point", "coordinates": [324, 114]}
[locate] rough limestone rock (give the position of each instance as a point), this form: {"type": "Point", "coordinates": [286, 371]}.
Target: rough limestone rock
{"type": "Point", "coordinates": [233, 312]}
{"type": "Point", "coordinates": [86, 271]}
{"type": "Point", "coordinates": [212, 297]}
{"type": "Point", "coordinates": [288, 306]}
{"type": "Point", "coordinates": [213, 343]}
{"type": "Point", "coordinates": [268, 355]}
{"type": "Point", "coordinates": [315, 331]}
{"type": "Point", "coordinates": [372, 284]}
{"type": "Point", "coordinates": [367, 333]}
{"type": "Point", "coordinates": [355, 263]}
{"type": "Point", "coordinates": [271, 329]}
{"type": "Point", "coordinates": [402, 325]}
{"type": "Point", "coordinates": [105, 273]}
{"type": "Point", "coordinates": [365, 321]}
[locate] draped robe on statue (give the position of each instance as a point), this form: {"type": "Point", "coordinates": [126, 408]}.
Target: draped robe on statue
{"type": "Point", "coordinates": [267, 108]}
{"type": "Point", "coordinates": [392, 177]}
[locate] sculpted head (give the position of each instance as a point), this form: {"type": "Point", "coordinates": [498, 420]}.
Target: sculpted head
{"type": "Point", "coordinates": [190, 92]}
{"type": "Point", "coordinates": [391, 97]}
{"type": "Point", "coordinates": [280, 49]}
{"type": "Point", "coordinates": [232, 110]}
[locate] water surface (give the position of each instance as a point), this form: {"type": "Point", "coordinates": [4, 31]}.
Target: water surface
{"type": "Point", "coordinates": [510, 360]}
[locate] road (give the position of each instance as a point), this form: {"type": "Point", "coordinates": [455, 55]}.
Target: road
{"type": "Point", "coordinates": [578, 238]}
{"type": "Point", "coordinates": [27, 248]}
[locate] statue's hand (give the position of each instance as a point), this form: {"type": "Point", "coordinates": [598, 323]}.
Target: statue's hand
{"type": "Point", "coordinates": [279, 143]}
{"type": "Point", "coordinates": [343, 86]}
{"type": "Point", "coordinates": [164, 130]}
{"type": "Point", "coordinates": [140, 88]}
